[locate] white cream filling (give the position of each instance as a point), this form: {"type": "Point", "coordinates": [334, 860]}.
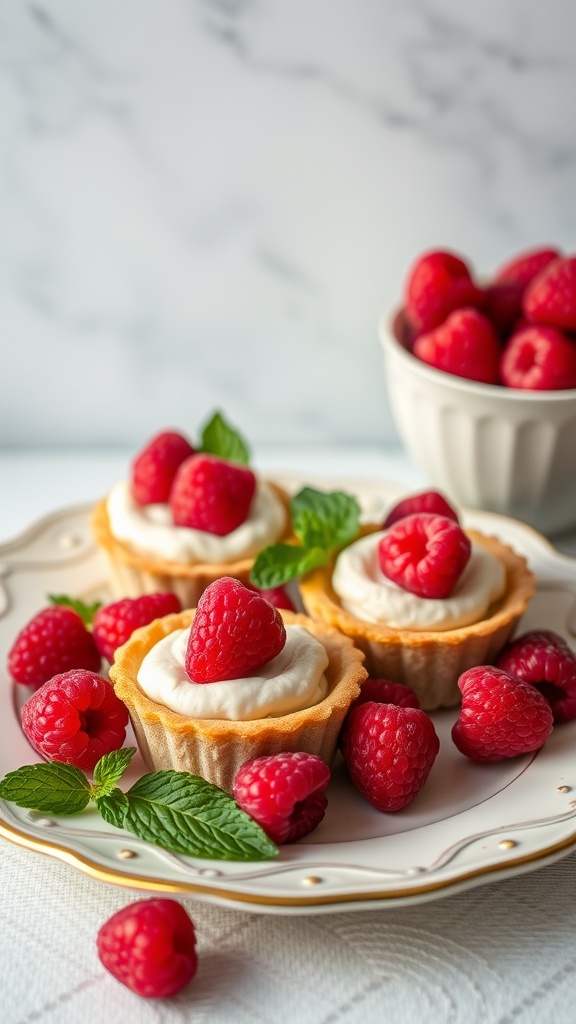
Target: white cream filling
{"type": "Point", "coordinates": [150, 530]}
{"type": "Point", "coordinates": [368, 594]}
{"type": "Point", "coordinates": [291, 681]}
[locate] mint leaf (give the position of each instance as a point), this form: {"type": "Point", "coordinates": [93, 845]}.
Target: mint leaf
{"type": "Point", "coordinates": [324, 519]}
{"type": "Point", "coordinates": [85, 611]}
{"type": "Point", "coordinates": [219, 438]}
{"type": "Point", "coordinates": [282, 562]}
{"type": "Point", "coordinates": [53, 787]}
{"type": "Point", "coordinates": [110, 769]}
{"type": "Point", "coordinates": [113, 807]}
{"type": "Point", "coordinates": [188, 815]}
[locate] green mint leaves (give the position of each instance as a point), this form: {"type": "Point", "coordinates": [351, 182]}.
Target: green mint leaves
{"type": "Point", "coordinates": [219, 438]}
{"type": "Point", "coordinates": [322, 522]}
{"type": "Point", "coordinates": [84, 610]}
{"type": "Point", "coordinates": [174, 810]}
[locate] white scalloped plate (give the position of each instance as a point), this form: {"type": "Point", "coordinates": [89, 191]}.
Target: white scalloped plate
{"type": "Point", "coordinates": [470, 824]}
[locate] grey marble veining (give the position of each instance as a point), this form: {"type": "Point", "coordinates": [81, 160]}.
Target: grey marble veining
{"type": "Point", "coordinates": [209, 203]}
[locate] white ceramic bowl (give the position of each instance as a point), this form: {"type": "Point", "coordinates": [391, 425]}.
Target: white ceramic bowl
{"type": "Point", "coordinates": [489, 447]}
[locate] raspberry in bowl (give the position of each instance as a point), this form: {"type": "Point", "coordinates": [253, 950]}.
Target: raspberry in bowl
{"type": "Point", "coordinates": [482, 384]}
{"type": "Point", "coordinates": [210, 688]}
{"type": "Point", "coordinates": [187, 515]}
{"type": "Point", "coordinates": [424, 600]}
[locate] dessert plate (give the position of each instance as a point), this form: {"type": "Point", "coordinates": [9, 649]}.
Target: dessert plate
{"type": "Point", "coordinates": [470, 824]}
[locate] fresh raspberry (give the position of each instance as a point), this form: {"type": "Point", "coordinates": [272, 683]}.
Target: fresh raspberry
{"type": "Point", "coordinates": [500, 716]}
{"type": "Point", "coordinates": [114, 623]}
{"type": "Point", "coordinates": [76, 718]}
{"type": "Point", "coordinates": [154, 468]}
{"type": "Point", "coordinates": [524, 267]}
{"type": "Point", "coordinates": [234, 632]}
{"type": "Point", "coordinates": [539, 358]}
{"type": "Point", "coordinates": [149, 946]}
{"type": "Point", "coordinates": [551, 297]}
{"type": "Point", "coordinates": [464, 345]}
{"type": "Point", "coordinates": [438, 283]}
{"type": "Point", "coordinates": [426, 501]}
{"type": "Point", "coordinates": [386, 691]}
{"type": "Point", "coordinates": [389, 751]}
{"type": "Point", "coordinates": [54, 641]}
{"type": "Point", "coordinates": [543, 658]}
{"type": "Point", "coordinates": [284, 793]}
{"type": "Point", "coordinates": [425, 554]}
{"type": "Point", "coordinates": [212, 494]}
{"type": "Point", "coordinates": [278, 596]}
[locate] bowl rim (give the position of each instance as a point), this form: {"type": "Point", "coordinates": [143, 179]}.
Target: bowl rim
{"type": "Point", "coordinates": [389, 327]}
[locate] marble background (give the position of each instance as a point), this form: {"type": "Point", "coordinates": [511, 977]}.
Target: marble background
{"type": "Point", "coordinates": [209, 203]}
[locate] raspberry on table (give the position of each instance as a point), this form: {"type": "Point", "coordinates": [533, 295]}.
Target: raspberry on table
{"type": "Point", "coordinates": [75, 718]}
{"type": "Point", "coordinates": [500, 716]}
{"type": "Point", "coordinates": [438, 283]}
{"type": "Point", "coordinates": [115, 622]}
{"type": "Point", "coordinates": [154, 468]}
{"type": "Point", "coordinates": [424, 501]}
{"type": "Point", "coordinates": [284, 793]}
{"type": "Point", "coordinates": [550, 298]}
{"type": "Point", "coordinates": [465, 345]}
{"type": "Point", "coordinates": [523, 268]}
{"type": "Point", "coordinates": [278, 596]}
{"type": "Point", "coordinates": [212, 494]}
{"type": "Point", "coordinates": [389, 752]}
{"type": "Point", "coordinates": [544, 659]}
{"type": "Point", "coordinates": [539, 358]}
{"type": "Point", "coordinates": [54, 641]}
{"type": "Point", "coordinates": [425, 554]}
{"type": "Point", "coordinates": [234, 632]}
{"type": "Point", "coordinates": [150, 946]}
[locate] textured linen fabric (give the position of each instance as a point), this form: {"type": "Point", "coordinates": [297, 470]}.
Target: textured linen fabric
{"type": "Point", "coordinates": [504, 953]}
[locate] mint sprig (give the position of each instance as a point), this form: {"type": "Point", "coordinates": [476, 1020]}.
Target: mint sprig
{"type": "Point", "coordinates": [323, 522]}
{"type": "Point", "coordinates": [85, 611]}
{"type": "Point", "coordinates": [219, 438]}
{"type": "Point", "coordinates": [173, 810]}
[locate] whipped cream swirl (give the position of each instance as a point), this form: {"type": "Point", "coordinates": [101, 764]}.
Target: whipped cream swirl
{"type": "Point", "coordinates": [291, 681]}
{"type": "Point", "coordinates": [150, 530]}
{"type": "Point", "coordinates": [365, 592]}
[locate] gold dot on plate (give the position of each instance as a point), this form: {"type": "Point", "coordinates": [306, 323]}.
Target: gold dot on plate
{"type": "Point", "coordinates": [127, 854]}
{"type": "Point", "coordinates": [312, 880]}
{"type": "Point", "coordinates": [563, 789]}
{"type": "Point", "coordinates": [507, 844]}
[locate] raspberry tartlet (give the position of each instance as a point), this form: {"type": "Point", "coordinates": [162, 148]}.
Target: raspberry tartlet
{"type": "Point", "coordinates": [424, 639]}
{"type": "Point", "coordinates": [183, 518]}
{"type": "Point", "coordinates": [231, 711]}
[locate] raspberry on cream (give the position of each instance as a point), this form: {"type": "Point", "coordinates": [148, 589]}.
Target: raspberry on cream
{"type": "Point", "coordinates": [292, 681]}
{"type": "Point", "coordinates": [150, 529]}
{"type": "Point", "coordinates": [365, 592]}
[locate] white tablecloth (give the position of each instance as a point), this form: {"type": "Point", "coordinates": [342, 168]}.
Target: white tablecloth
{"type": "Point", "coordinates": [503, 953]}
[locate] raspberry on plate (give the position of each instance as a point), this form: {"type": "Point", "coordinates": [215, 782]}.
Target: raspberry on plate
{"type": "Point", "coordinates": [386, 691]}
{"type": "Point", "coordinates": [284, 793]}
{"type": "Point", "coordinates": [544, 659]}
{"type": "Point", "coordinates": [114, 623]}
{"type": "Point", "coordinates": [389, 751]}
{"type": "Point", "coordinates": [539, 358]}
{"type": "Point", "coordinates": [465, 344]}
{"type": "Point", "coordinates": [523, 268]}
{"type": "Point", "coordinates": [550, 298]}
{"type": "Point", "coordinates": [154, 468]}
{"type": "Point", "coordinates": [75, 718]}
{"type": "Point", "coordinates": [234, 632]}
{"type": "Point", "coordinates": [500, 716]}
{"type": "Point", "coordinates": [149, 946]}
{"type": "Point", "coordinates": [438, 283]}
{"type": "Point", "coordinates": [54, 641]}
{"type": "Point", "coordinates": [424, 501]}
{"type": "Point", "coordinates": [425, 554]}
{"type": "Point", "coordinates": [212, 494]}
